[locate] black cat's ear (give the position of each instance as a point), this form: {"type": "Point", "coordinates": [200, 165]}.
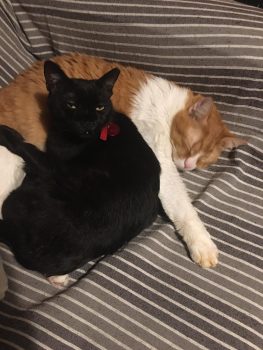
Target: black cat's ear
{"type": "Point", "coordinates": [53, 75]}
{"type": "Point", "coordinates": [108, 80]}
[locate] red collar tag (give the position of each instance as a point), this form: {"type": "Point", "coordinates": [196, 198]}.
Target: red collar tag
{"type": "Point", "coordinates": [110, 129]}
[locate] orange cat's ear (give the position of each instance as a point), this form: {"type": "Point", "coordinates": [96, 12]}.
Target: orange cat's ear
{"type": "Point", "coordinates": [230, 142]}
{"type": "Point", "coordinates": [201, 109]}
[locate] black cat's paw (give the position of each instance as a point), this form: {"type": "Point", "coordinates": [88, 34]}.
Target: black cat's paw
{"type": "Point", "coordinates": [9, 136]}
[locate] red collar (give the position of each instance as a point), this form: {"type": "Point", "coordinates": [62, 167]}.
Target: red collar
{"type": "Point", "coordinates": [110, 129]}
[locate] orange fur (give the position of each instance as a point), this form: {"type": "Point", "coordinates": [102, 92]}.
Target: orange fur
{"type": "Point", "coordinates": [207, 136]}
{"type": "Point", "coordinates": [23, 106]}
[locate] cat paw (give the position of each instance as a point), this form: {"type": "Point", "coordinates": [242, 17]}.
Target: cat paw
{"type": "Point", "coordinates": [59, 281]}
{"type": "Point", "coordinates": [204, 252]}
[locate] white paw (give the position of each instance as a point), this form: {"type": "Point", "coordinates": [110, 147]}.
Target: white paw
{"type": "Point", "coordinates": [59, 281]}
{"type": "Point", "coordinates": [204, 252]}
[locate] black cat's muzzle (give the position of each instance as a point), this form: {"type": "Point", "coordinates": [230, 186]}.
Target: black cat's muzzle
{"type": "Point", "coordinates": [90, 129]}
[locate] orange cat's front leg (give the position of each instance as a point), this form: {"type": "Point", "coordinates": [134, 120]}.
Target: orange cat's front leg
{"type": "Point", "coordinates": [179, 209]}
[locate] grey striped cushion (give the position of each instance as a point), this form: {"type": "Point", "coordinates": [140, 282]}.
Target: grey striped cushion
{"type": "Point", "coordinates": [150, 295]}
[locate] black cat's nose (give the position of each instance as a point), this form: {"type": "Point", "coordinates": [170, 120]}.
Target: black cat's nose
{"type": "Point", "coordinates": [90, 125]}
{"type": "Point", "coordinates": [88, 128]}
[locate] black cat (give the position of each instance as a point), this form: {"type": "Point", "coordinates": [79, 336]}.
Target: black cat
{"type": "Point", "coordinates": [94, 188]}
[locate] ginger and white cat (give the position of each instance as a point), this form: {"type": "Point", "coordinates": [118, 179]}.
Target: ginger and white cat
{"type": "Point", "coordinates": [183, 129]}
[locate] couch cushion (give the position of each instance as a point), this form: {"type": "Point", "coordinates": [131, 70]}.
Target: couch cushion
{"type": "Point", "coordinates": [150, 295]}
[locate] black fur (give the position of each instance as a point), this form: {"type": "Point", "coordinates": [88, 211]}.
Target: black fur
{"type": "Point", "coordinates": [83, 197]}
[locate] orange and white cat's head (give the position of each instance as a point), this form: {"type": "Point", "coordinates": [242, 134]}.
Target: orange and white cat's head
{"type": "Point", "coordinates": [198, 134]}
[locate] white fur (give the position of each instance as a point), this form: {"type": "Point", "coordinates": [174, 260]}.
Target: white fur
{"type": "Point", "coordinates": [154, 107]}
{"type": "Point", "coordinates": [59, 281]}
{"type": "Point", "coordinates": [11, 177]}
{"type": "Point", "coordinates": [11, 174]}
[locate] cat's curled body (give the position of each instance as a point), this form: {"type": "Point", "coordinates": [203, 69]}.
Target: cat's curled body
{"type": "Point", "coordinates": [87, 194]}
{"type": "Point", "coordinates": [182, 128]}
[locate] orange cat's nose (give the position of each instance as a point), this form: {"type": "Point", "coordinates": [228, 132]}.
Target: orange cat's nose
{"type": "Point", "coordinates": [187, 165]}
{"type": "Point", "coordinates": [190, 163]}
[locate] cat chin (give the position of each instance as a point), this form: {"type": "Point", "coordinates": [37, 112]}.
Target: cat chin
{"type": "Point", "coordinates": [87, 134]}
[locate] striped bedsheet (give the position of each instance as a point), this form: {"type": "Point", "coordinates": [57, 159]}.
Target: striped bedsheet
{"type": "Point", "coordinates": [149, 295]}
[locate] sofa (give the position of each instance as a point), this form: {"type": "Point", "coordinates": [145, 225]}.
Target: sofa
{"type": "Point", "coordinates": [149, 294]}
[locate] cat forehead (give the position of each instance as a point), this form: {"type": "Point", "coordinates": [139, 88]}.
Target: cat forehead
{"type": "Point", "coordinates": [82, 89]}
{"type": "Point", "coordinates": [194, 134]}
{"type": "Point", "coordinates": [83, 85]}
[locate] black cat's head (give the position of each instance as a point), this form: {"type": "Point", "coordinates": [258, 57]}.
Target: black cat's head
{"type": "Point", "coordinates": [78, 107]}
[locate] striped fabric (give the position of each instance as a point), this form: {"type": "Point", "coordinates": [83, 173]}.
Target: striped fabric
{"type": "Point", "coordinates": [149, 295]}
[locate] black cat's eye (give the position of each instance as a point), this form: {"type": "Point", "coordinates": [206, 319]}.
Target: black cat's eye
{"type": "Point", "coordinates": [99, 108]}
{"type": "Point", "coordinates": [71, 105]}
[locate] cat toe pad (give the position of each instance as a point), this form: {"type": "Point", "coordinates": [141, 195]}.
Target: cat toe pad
{"type": "Point", "coordinates": [204, 252]}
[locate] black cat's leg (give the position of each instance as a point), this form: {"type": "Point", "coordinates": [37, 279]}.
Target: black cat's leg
{"type": "Point", "coordinates": [14, 142]}
{"type": "Point", "coordinates": [9, 137]}
{"type": "Point", "coordinates": [34, 158]}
